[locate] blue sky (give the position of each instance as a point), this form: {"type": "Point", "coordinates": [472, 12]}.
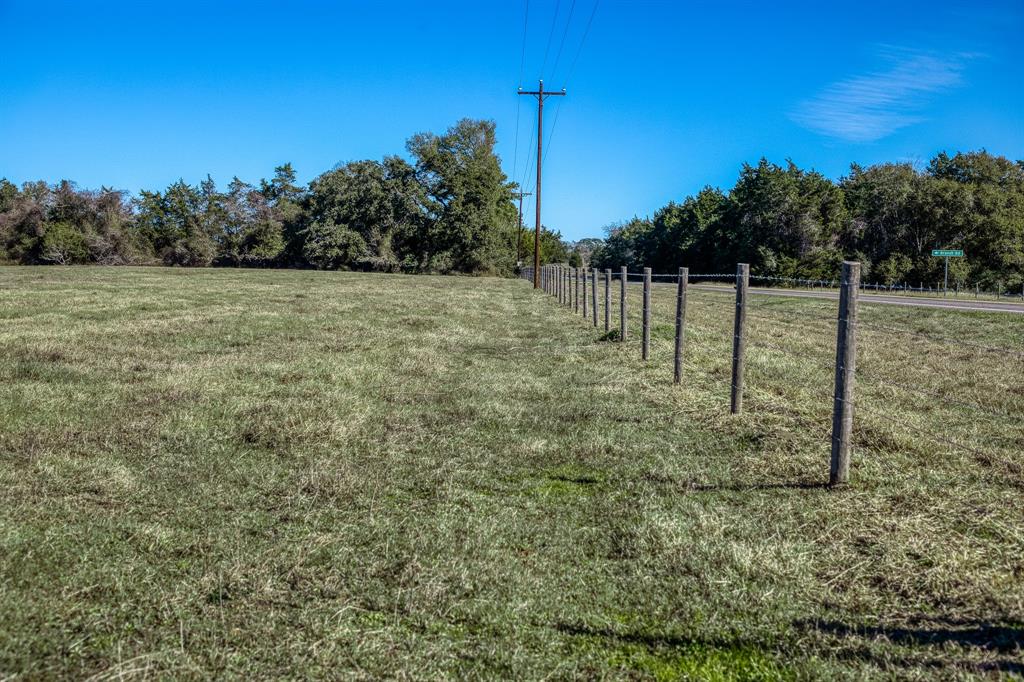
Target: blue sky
{"type": "Point", "coordinates": [665, 97]}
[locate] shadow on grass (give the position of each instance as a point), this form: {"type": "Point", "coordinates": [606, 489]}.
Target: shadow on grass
{"type": "Point", "coordinates": [999, 638]}
{"type": "Point", "coordinates": [1005, 639]}
{"type": "Point", "coordinates": [647, 639]}
{"type": "Point", "coordinates": [578, 480]}
{"type": "Point", "coordinates": [749, 487]}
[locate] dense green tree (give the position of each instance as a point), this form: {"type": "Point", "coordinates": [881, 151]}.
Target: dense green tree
{"type": "Point", "coordinates": [365, 215]}
{"type": "Point", "coordinates": [553, 249]}
{"type": "Point", "coordinates": [788, 222]}
{"type": "Point", "coordinates": [468, 200]}
{"type": "Point", "coordinates": [286, 199]}
{"type": "Point", "coordinates": [250, 232]}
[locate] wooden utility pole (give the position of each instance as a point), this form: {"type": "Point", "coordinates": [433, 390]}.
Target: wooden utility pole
{"type": "Point", "coordinates": [540, 94]}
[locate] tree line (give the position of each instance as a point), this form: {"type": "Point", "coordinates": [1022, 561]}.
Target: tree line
{"type": "Point", "coordinates": [790, 222]}
{"type": "Point", "coordinates": [448, 208]}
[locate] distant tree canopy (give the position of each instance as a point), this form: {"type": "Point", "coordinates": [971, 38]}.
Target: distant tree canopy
{"type": "Point", "coordinates": [789, 222]}
{"type": "Point", "coordinates": [449, 208]}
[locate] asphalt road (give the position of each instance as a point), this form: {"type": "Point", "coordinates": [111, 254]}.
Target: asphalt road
{"type": "Point", "coordinates": [884, 299]}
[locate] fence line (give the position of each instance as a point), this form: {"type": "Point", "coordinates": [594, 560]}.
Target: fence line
{"type": "Point", "coordinates": [559, 282]}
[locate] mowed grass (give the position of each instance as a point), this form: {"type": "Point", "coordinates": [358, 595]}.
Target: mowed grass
{"type": "Point", "coordinates": [253, 474]}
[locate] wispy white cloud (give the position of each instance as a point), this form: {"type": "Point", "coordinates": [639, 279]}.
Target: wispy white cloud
{"type": "Point", "coordinates": [869, 107]}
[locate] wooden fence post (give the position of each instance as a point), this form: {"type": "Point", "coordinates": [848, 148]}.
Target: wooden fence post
{"type": "Point", "coordinates": [684, 276]}
{"type": "Point", "coordinates": [846, 361]}
{"type": "Point", "coordinates": [647, 314]}
{"type": "Point", "coordinates": [607, 299]}
{"type": "Point", "coordinates": [593, 292]}
{"type": "Point", "coordinates": [584, 293]}
{"type": "Point", "coordinates": [739, 337]}
{"type": "Point", "coordinates": [576, 300]}
{"type": "Point", "coordinates": [623, 281]}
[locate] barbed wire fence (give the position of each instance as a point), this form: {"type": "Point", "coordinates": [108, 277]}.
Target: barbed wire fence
{"type": "Point", "coordinates": [966, 426]}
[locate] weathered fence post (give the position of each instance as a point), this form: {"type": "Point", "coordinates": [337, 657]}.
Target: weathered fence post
{"type": "Point", "coordinates": [593, 292]}
{"type": "Point", "coordinates": [623, 281]}
{"type": "Point", "coordinates": [607, 299]}
{"type": "Point", "coordinates": [584, 293]}
{"type": "Point", "coordinates": [576, 301]}
{"type": "Point", "coordinates": [739, 338]}
{"type": "Point", "coordinates": [647, 314]}
{"type": "Point", "coordinates": [846, 361]}
{"type": "Point", "coordinates": [684, 276]}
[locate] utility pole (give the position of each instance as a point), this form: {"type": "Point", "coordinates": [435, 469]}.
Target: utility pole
{"type": "Point", "coordinates": [519, 234]}
{"type": "Point", "coordinates": [540, 94]}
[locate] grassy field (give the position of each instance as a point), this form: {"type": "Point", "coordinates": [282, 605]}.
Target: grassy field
{"type": "Point", "coordinates": [253, 474]}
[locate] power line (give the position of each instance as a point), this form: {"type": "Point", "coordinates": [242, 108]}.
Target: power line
{"type": "Point", "coordinates": [551, 33]}
{"type": "Point", "coordinates": [529, 160]}
{"type": "Point", "coordinates": [579, 50]}
{"type": "Point", "coordinates": [558, 57]}
{"type": "Point", "coordinates": [572, 68]}
{"type": "Point", "coordinates": [551, 135]}
{"type": "Point", "coordinates": [522, 52]}
{"type": "Point", "coordinates": [522, 62]}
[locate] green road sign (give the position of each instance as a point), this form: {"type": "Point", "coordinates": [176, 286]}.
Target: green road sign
{"type": "Point", "coordinates": [948, 253]}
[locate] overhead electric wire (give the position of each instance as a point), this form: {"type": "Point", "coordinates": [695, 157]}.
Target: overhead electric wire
{"type": "Point", "coordinates": [551, 34]}
{"type": "Point", "coordinates": [572, 68]}
{"type": "Point", "coordinates": [579, 50]}
{"type": "Point", "coordinates": [561, 46]}
{"type": "Point", "coordinates": [522, 63]}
